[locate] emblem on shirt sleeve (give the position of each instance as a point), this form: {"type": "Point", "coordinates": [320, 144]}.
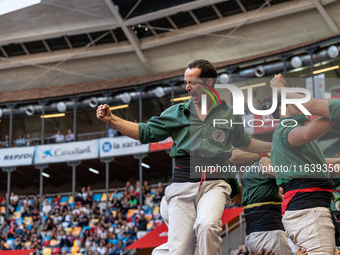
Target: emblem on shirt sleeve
{"type": "Point", "coordinates": [337, 205]}
{"type": "Point", "coordinates": [218, 135]}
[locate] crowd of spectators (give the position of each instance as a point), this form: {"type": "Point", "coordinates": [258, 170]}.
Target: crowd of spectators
{"type": "Point", "coordinates": [87, 228]}
{"type": "Point", "coordinates": [28, 141]}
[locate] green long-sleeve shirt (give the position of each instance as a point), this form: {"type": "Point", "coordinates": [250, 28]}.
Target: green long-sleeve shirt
{"type": "Point", "coordinates": [196, 138]}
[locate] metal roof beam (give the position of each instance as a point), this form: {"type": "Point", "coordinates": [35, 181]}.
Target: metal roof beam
{"type": "Point", "coordinates": [206, 28]}
{"type": "Point", "coordinates": [59, 33]}
{"type": "Point", "coordinates": [171, 11]}
{"type": "Point", "coordinates": [129, 35]}
{"type": "Point", "coordinates": [326, 17]}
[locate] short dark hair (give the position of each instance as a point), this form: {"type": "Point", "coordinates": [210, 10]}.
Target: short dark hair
{"type": "Point", "coordinates": [207, 69]}
{"type": "Point", "coordinates": [276, 113]}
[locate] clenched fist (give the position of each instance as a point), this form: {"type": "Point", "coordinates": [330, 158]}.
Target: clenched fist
{"type": "Point", "coordinates": [277, 82]}
{"type": "Point", "coordinates": [104, 113]}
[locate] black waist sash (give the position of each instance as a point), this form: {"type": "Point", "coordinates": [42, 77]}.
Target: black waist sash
{"type": "Point", "coordinates": [264, 217]}
{"type": "Point", "coordinates": [190, 169]}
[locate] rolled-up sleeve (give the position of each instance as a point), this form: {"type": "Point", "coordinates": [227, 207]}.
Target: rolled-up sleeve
{"type": "Point", "coordinates": [156, 129]}
{"type": "Point", "coordinates": [334, 110]}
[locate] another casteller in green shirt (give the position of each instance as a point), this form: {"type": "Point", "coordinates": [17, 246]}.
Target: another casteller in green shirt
{"type": "Point", "coordinates": [261, 202]}
{"type": "Point", "coordinates": [300, 167]}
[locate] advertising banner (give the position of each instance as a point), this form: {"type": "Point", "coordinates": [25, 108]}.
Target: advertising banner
{"type": "Point", "coordinates": [65, 152]}
{"type": "Point", "coordinates": [122, 145]}
{"type": "Point", "coordinates": [162, 145]}
{"type": "Point", "coordinates": [20, 156]}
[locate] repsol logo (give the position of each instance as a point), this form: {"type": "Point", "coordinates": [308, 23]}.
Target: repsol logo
{"type": "Point", "coordinates": [18, 156]}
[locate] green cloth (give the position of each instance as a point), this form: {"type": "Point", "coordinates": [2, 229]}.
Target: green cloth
{"type": "Point", "coordinates": [336, 203]}
{"type": "Point", "coordinates": [256, 185]}
{"type": "Point", "coordinates": [295, 158]}
{"type": "Point", "coordinates": [193, 137]}
{"type": "Point", "coordinates": [334, 109]}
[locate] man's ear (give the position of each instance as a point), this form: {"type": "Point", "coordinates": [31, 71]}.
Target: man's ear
{"type": "Point", "coordinates": [210, 82]}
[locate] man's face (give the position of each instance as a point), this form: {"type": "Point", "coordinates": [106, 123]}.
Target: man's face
{"type": "Point", "coordinates": [191, 77]}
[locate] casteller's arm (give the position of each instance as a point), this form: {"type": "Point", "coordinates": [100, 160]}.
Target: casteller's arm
{"type": "Point", "coordinates": [310, 132]}
{"type": "Point", "coordinates": [127, 128]}
{"type": "Point", "coordinates": [314, 106]}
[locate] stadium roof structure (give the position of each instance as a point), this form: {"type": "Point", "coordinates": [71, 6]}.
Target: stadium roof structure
{"type": "Point", "coordinates": [58, 42]}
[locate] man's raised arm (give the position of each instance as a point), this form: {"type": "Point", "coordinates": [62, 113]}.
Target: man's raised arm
{"type": "Point", "coordinates": [127, 128]}
{"type": "Point", "coordinates": [314, 106]}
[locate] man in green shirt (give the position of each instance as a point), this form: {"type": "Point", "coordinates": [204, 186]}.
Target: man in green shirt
{"type": "Point", "coordinates": [194, 206]}
{"type": "Point", "coordinates": [261, 203]}
{"type": "Point", "coordinates": [302, 171]}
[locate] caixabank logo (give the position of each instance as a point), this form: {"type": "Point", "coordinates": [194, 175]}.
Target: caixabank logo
{"type": "Point", "coordinates": [47, 153]}
{"type": "Point", "coordinates": [59, 152]}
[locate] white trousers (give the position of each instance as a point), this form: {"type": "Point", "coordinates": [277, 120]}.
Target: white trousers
{"type": "Point", "coordinates": [275, 240]}
{"type": "Point", "coordinates": [194, 217]}
{"type": "Point", "coordinates": [312, 229]}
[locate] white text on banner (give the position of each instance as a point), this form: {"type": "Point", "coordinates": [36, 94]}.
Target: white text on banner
{"type": "Point", "coordinates": [20, 156]}
{"type": "Point", "coordinates": [65, 152]}
{"type": "Point", "coordinates": [121, 145]}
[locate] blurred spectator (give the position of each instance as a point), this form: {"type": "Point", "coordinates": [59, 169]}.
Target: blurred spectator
{"type": "Point", "coordinates": [28, 140]}
{"type": "Point", "coordinates": [81, 196]}
{"type": "Point", "coordinates": [128, 186]}
{"type": "Point", "coordinates": [6, 143]}
{"type": "Point", "coordinates": [83, 219]}
{"type": "Point", "coordinates": [101, 249]}
{"type": "Point", "coordinates": [47, 208]}
{"type": "Point", "coordinates": [112, 132]}
{"type": "Point", "coordinates": [35, 203]}
{"type": "Point", "coordinates": [59, 137]}
{"type": "Point", "coordinates": [56, 207]}
{"type": "Point", "coordinates": [242, 250]}
{"type": "Point", "coordinates": [147, 188]}
{"type": "Point", "coordinates": [160, 189]}
{"type": "Point", "coordinates": [70, 136]}
{"type": "Point", "coordinates": [246, 109]}
{"type": "Point", "coordinates": [148, 202]}
{"type": "Point", "coordinates": [141, 224]}
{"type": "Point", "coordinates": [20, 141]}
{"type": "Point", "coordinates": [336, 155]}
{"type": "Point", "coordinates": [138, 187]}
{"type": "Point", "coordinates": [89, 195]}
{"type": "Point", "coordinates": [259, 105]}
{"type": "Point", "coordinates": [119, 248]}
{"type": "Point", "coordinates": [157, 198]}
{"type": "Point", "coordinates": [116, 194]}
{"type": "Point", "coordinates": [14, 199]}
{"type": "Point", "coordinates": [267, 103]}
